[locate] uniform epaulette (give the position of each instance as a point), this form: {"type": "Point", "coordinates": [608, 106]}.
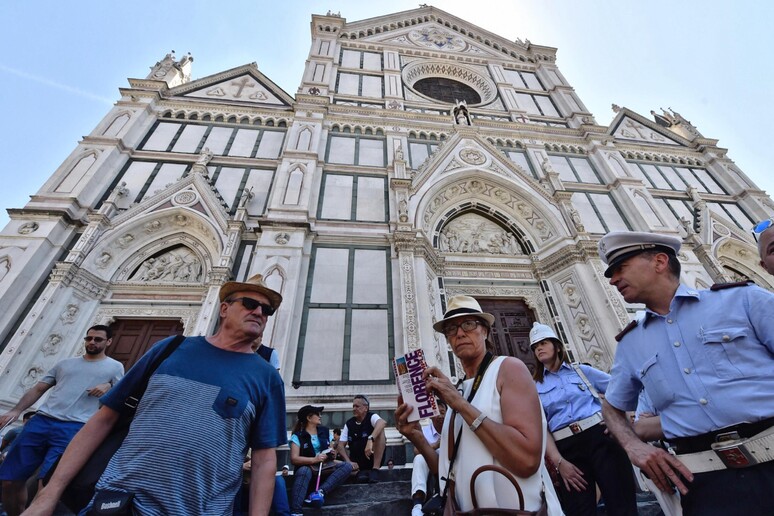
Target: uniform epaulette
{"type": "Point", "coordinates": [723, 286]}
{"type": "Point", "coordinates": [629, 327]}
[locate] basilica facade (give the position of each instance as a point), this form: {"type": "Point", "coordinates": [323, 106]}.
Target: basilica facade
{"type": "Point", "coordinates": [420, 157]}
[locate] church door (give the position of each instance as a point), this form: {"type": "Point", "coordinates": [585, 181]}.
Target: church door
{"type": "Point", "coordinates": [133, 337]}
{"type": "Point", "coordinates": [510, 332]}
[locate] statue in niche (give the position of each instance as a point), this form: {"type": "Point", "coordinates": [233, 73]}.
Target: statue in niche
{"type": "Point", "coordinates": [460, 113]}
{"type": "Point", "coordinates": [399, 152]}
{"type": "Point", "coordinates": [51, 346]}
{"type": "Point", "coordinates": [178, 265]}
{"type": "Point", "coordinates": [576, 220]}
{"type": "Point", "coordinates": [69, 314]}
{"type": "Point", "coordinates": [547, 167]}
{"type": "Point", "coordinates": [403, 211]}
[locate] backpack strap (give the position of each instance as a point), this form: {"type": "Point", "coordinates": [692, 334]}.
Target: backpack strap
{"type": "Point", "coordinates": [134, 399]}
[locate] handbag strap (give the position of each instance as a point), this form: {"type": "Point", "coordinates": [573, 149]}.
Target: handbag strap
{"type": "Point", "coordinates": [134, 399]}
{"type": "Point", "coordinates": [454, 445]}
{"type": "Point", "coordinates": [496, 469]}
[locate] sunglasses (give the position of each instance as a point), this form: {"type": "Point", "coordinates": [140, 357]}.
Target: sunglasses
{"type": "Point", "coordinates": [251, 304]}
{"type": "Point", "coordinates": [96, 340]}
{"type": "Point", "coordinates": [762, 226]}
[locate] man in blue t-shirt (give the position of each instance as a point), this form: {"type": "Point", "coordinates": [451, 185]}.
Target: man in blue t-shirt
{"type": "Point", "coordinates": [212, 399]}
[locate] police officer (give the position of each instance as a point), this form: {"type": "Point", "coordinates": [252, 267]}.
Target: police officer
{"type": "Point", "coordinates": [706, 360]}
{"type": "Point", "coordinates": [583, 454]}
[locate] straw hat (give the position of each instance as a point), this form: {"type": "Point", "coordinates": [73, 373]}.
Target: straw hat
{"type": "Point", "coordinates": [253, 284]}
{"type": "Point", "coordinates": [459, 306]}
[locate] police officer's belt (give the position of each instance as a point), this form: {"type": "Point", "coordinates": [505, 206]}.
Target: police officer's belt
{"type": "Point", "coordinates": [577, 427]}
{"type": "Point", "coordinates": [730, 450]}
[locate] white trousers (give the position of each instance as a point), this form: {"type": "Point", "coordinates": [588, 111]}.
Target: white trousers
{"type": "Point", "coordinates": [419, 475]}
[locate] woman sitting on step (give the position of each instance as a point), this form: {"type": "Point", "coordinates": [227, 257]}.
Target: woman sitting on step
{"type": "Point", "coordinates": [311, 455]}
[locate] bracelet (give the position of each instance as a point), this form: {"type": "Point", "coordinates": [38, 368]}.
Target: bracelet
{"type": "Point", "coordinates": [560, 461]}
{"type": "Point", "coordinates": [477, 422]}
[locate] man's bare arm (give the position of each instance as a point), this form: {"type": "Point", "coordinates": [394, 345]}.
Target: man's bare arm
{"type": "Point", "coordinates": [262, 471]}
{"type": "Point", "coordinates": [26, 401]}
{"type": "Point", "coordinates": [662, 468]}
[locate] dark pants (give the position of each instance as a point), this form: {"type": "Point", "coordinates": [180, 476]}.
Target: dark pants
{"type": "Point", "coordinates": [745, 491]}
{"type": "Point", "coordinates": [603, 462]}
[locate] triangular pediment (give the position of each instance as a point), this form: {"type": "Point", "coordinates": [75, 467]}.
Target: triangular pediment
{"type": "Point", "coordinates": [629, 126]}
{"type": "Point", "coordinates": [435, 37]}
{"type": "Point", "coordinates": [244, 84]}
{"type": "Point", "coordinates": [466, 153]}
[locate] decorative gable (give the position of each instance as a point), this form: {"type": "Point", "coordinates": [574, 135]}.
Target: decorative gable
{"type": "Point", "coordinates": [633, 130]}
{"type": "Point", "coordinates": [434, 37]}
{"type": "Point", "coordinates": [243, 84]}
{"type": "Point", "coordinates": [245, 88]}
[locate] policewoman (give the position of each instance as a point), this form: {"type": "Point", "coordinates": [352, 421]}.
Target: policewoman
{"type": "Point", "coordinates": [583, 454]}
{"type": "Point", "coordinates": [706, 360]}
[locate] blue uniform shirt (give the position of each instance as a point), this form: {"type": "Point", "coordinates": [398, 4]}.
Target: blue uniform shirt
{"type": "Point", "coordinates": [565, 396]}
{"type": "Point", "coordinates": [706, 365]}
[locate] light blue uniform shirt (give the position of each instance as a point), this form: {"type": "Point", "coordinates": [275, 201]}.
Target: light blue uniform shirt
{"type": "Point", "coordinates": [706, 365]}
{"type": "Point", "coordinates": [565, 396]}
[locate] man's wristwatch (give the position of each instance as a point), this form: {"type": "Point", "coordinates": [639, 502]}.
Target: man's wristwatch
{"type": "Point", "coordinates": [370, 437]}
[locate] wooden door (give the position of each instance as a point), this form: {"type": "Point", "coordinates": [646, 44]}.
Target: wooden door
{"type": "Point", "coordinates": [510, 332]}
{"type": "Point", "coordinates": [133, 337]}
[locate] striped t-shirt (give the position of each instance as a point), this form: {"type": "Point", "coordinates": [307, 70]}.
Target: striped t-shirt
{"type": "Point", "coordinates": [203, 408]}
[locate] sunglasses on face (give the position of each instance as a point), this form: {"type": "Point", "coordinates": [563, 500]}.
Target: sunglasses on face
{"type": "Point", "coordinates": [251, 304]}
{"type": "Point", "coordinates": [762, 226]}
{"type": "Point", "coordinates": [96, 340]}
{"type": "Point", "coordinates": [451, 329]}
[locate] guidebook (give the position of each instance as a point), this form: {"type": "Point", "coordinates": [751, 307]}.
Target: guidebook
{"type": "Point", "coordinates": [411, 385]}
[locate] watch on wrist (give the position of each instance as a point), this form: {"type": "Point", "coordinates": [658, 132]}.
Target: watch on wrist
{"type": "Point", "coordinates": [370, 437]}
{"type": "Point", "coordinates": [477, 422]}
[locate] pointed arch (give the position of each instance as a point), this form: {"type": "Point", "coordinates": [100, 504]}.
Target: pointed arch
{"type": "Point", "coordinates": [117, 124]}
{"type": "Point", "coordinates": [81, 166]}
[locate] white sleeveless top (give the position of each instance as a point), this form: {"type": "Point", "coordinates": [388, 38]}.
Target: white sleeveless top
{"type": "Point", "coordinates": [492, 489]}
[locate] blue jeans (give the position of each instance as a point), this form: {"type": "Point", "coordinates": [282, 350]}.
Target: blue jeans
{"type": "Point", "coordinates": [303, 477]}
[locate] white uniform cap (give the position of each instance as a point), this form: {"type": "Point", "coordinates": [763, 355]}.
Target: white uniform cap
{"type": "Point", "coordinates": [540, 332]}
{"type": "Point", "coordinates": [617, 246]}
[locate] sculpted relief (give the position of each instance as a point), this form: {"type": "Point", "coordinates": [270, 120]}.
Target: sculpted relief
{"type": "Point", "coordinates": [179, 265]}
{"type": "Point", "coordinates": [471, 233]}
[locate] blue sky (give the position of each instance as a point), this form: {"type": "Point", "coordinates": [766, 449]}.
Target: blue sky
{"type": "Point", "coordinates": [62, 63]}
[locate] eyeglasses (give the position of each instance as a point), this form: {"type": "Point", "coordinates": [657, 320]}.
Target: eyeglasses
{"type": "Point", "coordinates": [96, 340]}
{"type": "Point", "coordinates": [762, 226]}
{"type": "Point", "coordinates": [251, 304]}
{"type": "Point", "coordinates": [469, 325]}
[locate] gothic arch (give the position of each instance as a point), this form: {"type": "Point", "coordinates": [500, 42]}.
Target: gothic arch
{"type": "Point", "coordinates": [740, 258]}
{"type": "Point", "coordinates": [123, 248]}
{"type": "Point", "coordinates": [80, 167]}
{"type": "Point", "coordinates": [118, 123]}
{"type": "Point", "coordinates": [538, 223]}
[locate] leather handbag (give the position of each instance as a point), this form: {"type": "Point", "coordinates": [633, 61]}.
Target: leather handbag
{"type": "Point", "coordinates": [452, 509]}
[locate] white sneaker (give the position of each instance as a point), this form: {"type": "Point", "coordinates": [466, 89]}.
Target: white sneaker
{"type": "Point", "coordinates": [417, 510]}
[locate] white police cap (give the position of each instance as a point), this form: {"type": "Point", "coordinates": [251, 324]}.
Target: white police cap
{"type": "Point", "coordinates": [617, 246]}
{"type": "Point", "coordinates": [539, 333]}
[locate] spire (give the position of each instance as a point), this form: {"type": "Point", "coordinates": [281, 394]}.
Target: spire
{"type": "Point", "coordinates": [173, 72]}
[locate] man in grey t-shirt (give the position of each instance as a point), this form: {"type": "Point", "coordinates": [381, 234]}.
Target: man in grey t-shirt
{"type": "Point", "coordinates": [77, 385]}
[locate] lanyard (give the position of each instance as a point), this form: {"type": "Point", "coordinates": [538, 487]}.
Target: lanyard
{"type": "Point", "coordinates": [454, 444]}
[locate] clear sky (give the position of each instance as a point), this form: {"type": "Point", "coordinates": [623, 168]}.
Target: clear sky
{"type": "Point", "coordinates": [61, 63]}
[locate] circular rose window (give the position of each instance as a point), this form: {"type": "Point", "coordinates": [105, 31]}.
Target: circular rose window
{"type": "Point", "coordinates": [449, 82]}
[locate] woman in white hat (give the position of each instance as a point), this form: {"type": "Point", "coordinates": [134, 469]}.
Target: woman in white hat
{"type": "Point", "coordinates": [578, 446]}
{"type": "Point", "coordinates": [494, 421]}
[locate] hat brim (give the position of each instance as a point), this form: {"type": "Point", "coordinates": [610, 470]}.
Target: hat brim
{"type": "Point", "coordinates": [618, 260]}
{"type": "Point", "coordinates": [489, 318]}
{"type": "Point", "coordinates": [302, 414]}
{"type": "Point", "coordinates": [231, 287]}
